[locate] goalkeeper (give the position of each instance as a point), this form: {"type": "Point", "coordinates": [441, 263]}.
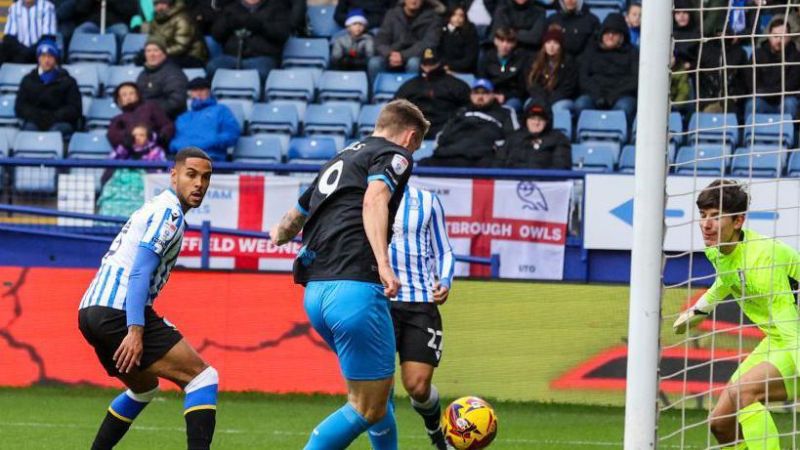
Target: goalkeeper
{"type": "Point", "coordinates": [754, 270]}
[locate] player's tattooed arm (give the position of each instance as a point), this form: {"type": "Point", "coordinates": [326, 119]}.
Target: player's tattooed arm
{"type": "Point", "coordinates": [288, 227]}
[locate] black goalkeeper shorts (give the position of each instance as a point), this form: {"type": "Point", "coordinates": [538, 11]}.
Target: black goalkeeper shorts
{"type": "Point", "coordinates": [105, 328]}
{"type": "Point", "coordinates": [418, 332]}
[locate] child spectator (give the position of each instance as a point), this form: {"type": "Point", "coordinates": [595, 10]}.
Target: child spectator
{"type": "Point", "coordinates": [633, 17]}
{"type": "Point", "coordinates": [352, 50]}
{"type": "Point", "coordinates": [140, 144]}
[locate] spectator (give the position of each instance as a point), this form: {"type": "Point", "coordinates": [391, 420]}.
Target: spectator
{"type": "Point", "coordinates": [205, 12]}
{"type": "Point", "coordinates": [297, 16]}
{"type": "Point", "coordinates": [173, 26]}
{"type": "Point", "coordinates": [162, 80]}
{"type": "Point", "coordinates": [609, 73]}
{"type": "Point", "coordinates": [118, 15]}
{"type": "Point", "coordinates": [579, 24]}
{"type": "Point", "coordinates": [251, 32]}
{"type": "Point", "coordinates": [718, 77]}
{"type": "Point", "coordinates": [684, 28]}
{"type": "Point", "coordinates": [437, 93]}
{"type": "Point", "coordinates": [776, 72]}
{"type": "Point", "coordinates": [140, 23]}
{"type": "Point", "coordinates": [537, 145]}
{"type": "Point", "coordinates": [679, 88]}
{"type": "Point", "coordinates": [407, 30]}
{"type": "Point", "coordinates": [139, 144]}
{"type": "Point", "coordinates": [352, 50]}
{"type": "Point", "coordinates": [207, 125]}
{"type": "Point", "coordinates": [137, 112]}
{"type": "Point", "coordinates": [374, 10]}
{"type": "Point", "coordinates": [553, 75]}
{"type": "Point", "coordinates": [65, 17]}
{"type": "Point", "coordinates": [458, 45]}
{"type": "Point", "coordinates": [504, 65]}
{"type": "Point", "coordinates": [470, 138]}
{"type": "Point", "coordinates": [48, 98]}
{"type": "Point", "coordinates": [633, 17]}
{"type": "Point", "coordinates": [526, 18]}
{"type": "Point", "coordinates": [27, 22]}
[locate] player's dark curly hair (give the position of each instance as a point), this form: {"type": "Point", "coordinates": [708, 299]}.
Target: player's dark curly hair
{"type": "Point", "coordinates": [728, 196]}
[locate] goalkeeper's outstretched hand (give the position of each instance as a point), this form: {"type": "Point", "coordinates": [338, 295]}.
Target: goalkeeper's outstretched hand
{"type": "Point", "coordinates": [688, 320]}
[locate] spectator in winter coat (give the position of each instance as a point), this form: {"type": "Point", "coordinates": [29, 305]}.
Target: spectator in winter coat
{"type": "Point", "coordinates": [472, 135]}
{"type": "Point", "coordinates": [537, 145]}
{"type": "Point", "coordinates": [374, 10]}
{"type": "Point", "coordinates": [504, 65]}
{"type": "Point", "coordinates": [407, 30]}
{"type": "Point", "coordinates": [553, 75]}
{"type": "Point", "coordinates": [28, 21]}
{"type": "Point", "coordinates": [579, 24]}
{"type": "Point", "coordinates": [718, 78]}
{"type": "Point", "coordinates": [162, 80]}
{"type": "Point", "coordinates": [458, 44]}
{"type": "Point", "coordinates": [609, 73]}
{"type": "Point", "coordinates": [776, 71]}
{"type": "Point", "coordinates": [48, 98]}
{"type": "Point", "coordinates": [259, 28]}
{"type": "Point", "coordinates": [526, 18]}
{"type": "Point", "coordinates": [118, 15]}
{"type": "Point", "coordinates": [633, 17]}
{"type": "Point", "coordinates": [137, 112]}
{"type": "Point", "coordinates": [685, 28]}
{"type": "Point", "coordinates": [352, 50]}
{"type": "Point", "coordinates": [140, 144]}
{"type": "Point", "coordinates": [172, 23]}
{"type": "Point", "coordinates": [209, 125]}
{"type": "Point", "coordinates": [438, 94]}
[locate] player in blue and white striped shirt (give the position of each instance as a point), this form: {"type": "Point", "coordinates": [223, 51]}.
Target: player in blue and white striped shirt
{"type": "Point", "coordinates": [423, 260]}
{"type": "Point", "coordinates": [28, 21]}
{"type": "Point", "coordinates": [116, 313]}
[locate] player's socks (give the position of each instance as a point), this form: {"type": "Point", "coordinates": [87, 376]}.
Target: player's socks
{"type": "Point", "coordinates": [119, 417]}
{"type": "Point", "coordinates": [200, 409]}
{"type": "Point", "coordinates": [383, 433]}
{"type": "Point", "coordinates": [758, 428]}
{"type": "Point", "coordinates": [338, 430]}
{"type": "Point", "coordinates": [430, 410]}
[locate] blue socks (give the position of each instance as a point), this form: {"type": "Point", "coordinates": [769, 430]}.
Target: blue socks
{"type": "Point", "coordinates": [128, 405]}
{"type": "Point", "coordinates": [338, 430]}
{"type": "Point", "coordinates": [383, 434]}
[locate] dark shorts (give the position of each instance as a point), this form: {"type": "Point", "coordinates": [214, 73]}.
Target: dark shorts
{"type": "Point", "coordinates": [418, 332]}
{"type": "Point", "coordinates": [105, 328]}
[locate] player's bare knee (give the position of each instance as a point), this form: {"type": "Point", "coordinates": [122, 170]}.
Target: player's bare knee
{"type": "Point", "coordinates": [208, 375]}
{"type": "Point", "coordinates": [418, 388]}
{"type": "Point", "coordinates": [372, 413]}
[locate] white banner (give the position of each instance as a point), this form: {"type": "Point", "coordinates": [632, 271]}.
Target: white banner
{"type": "Point", "coordinates": [608, 221]}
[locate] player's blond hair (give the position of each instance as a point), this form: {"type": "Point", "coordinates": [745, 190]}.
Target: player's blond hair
{"type": "Point", "coordinates": [400, 115]}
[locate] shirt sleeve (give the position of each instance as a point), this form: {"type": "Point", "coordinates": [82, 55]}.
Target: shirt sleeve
{"type": "Point", "coordinates": [392, 168]}
{"type": "Point", "coordinates": [144, 265]}
{"type": "Point", "coordinates": [443, 252]}
{"type": "Point", "coordinates": [162, 230]}
{"type": "Point", "coordinates": [789, 258]}
{"type": "Point", "coordinates": [717, 292]}
{"type": "Point", "coordinates": [304, 202]}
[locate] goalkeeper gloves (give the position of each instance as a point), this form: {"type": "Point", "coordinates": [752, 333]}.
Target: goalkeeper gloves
{"type": "Point", "coordinates": [692, 316]}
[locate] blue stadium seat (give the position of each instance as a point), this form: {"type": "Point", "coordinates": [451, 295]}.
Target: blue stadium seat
{"type": "Point", "coordinates": [769, 128]}
{"type": "Point", "coordinates": [8, 117]}
{"type": "Point", "coordinates": [4, 151]}
{"type": "Point", "coordinates": [11, 75]}
{"type": "Point", "coordinates": [618, 5]}
{"type": "Point", "coordinates": [311, 150]}
{"type": "Point", "coordinates": [100, 113]}
{"type": "Point", "coordinates": [239, 108]}
{"type": "Point", "coordinates": [321, 22]}
{"type": "Point", "coordinates": [627, 159]}
{"type": "Point", "coordinates": [301, 52]}
{"type": "Point", "coordinates": [236, 84]}
{"type": "Point", "coordinates": [367, 118]}
{"type": "Point", "coordinates": [793, 168]}
{"type": "Point", "coordinates": [602, 13]}
{"type": "Point", "coordinates": [328, 119]}
{"type": "Point", "coordinates": [676, 132]}
{"type": "Point", "coordinates": [594, 124]}
{"type": "Point", "coordinates": [274, 118]}
{"type": "Point", "coordinates": [299, 106]}
{"type": "Point", "coordinates": [259, 148]}
{"type": "Point", "coordinates": [747, 162]}
{"type": "Point", "coordinates": [425, 150]}
{"type": "Point", "coordinates": [387, 83]}
{"type": "Point", "coordinates": [40, 145]}
{"type": "Point", "coordinates": [120, 74]}
{"type": "Point", "coordinates": [465, 77]}
{"type": "Point", "coordinates": [289, 84]}
{"type": "Point", "coordinates": [562, 121]}
{"type": "Point", "coordinates": [712, 127]}
{"type": "Point", "coordinates": [131, 46]}
{"type": "Point", "coordinates": [343, 85]}
{"type": "Point", "coordinates": [594, 156]}
{"type": "Point", "coordinates": [93, 47]}
{"type": "Point", "coordinates": [703, 159]}
{"type": "Point", "coordinates": [86, 77]}
{"type": "Point", "coordinates": [353, 106]}
{"type": "Point", "coordinates": [194, 72]}
{"type": "Point", "coordinates": [88, 145]}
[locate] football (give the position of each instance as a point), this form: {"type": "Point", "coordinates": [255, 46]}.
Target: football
{"type": "Point", "coordinates": [469, 423]}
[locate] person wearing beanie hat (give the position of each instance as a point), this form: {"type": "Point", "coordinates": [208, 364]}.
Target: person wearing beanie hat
{"type": "Point", "coordinates": [173, 26]}
{"type": "Point", "coordinates": [352, 50]}
{"type": "Point", "coordinates": [20, 38]}
{"type": "Point", "coordinates": [579, 24]}
{"type": "Point", "coordinates": [372, 10]}
{"type": "Point", "coordinates": [553, 74]}
{"type": "Point", "coordinates": [525, 17]}
{"type": "Point", "coordinates": [458, 46]}
{"type": "Point", "coordinates": [536, 145]}
{"type": "Point", "coordinates": [162, 80]}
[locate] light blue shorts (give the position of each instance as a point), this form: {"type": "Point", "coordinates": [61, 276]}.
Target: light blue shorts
{"type": "Point", "coordinates": [354, 319]}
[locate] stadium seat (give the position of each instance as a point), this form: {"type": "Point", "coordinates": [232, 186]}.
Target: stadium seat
{"type": "Point", "coordinates": [367, 118]}
{"type": "Point", "coordinates": [236, 84]}
{"type": "Point", "coordinates": [676, 132]}
{"type": "Point", "coordinates": [712, 127]}
{"type": "Point", "coordinates": [619, 5]}
{"type": "Point", "coordinates": [328, 119]}
{"type": "Point", "coordinates": [353, 106]}
{"type": "Point", "coordinates": [88, 145]}
{"type": "Point", "coordinates": [793, 168]}
{"type": "Point", "coordinates": [594, 156]}
{"type": "Point", "coordinates": [321, 22]}
{"type": "Point", "coordinates": [8, 117]}
{"type": "Point", "coordinates": [595, 124]}
{"type": "Point", "coordinates": [465, 77]}
{"type": "Point", "coordinates": [562, 121]}
{"type": "Point", "coordinates": [702, 159]}
{"type": "Point", "coordinates": [311, 150]}
{"type": "Point", "coordinates": [299, 106]}
{"type": "Point", "coordinates": [100, 113]}
{"type": "Point", "coordinates": [302, 52]}
{"type": "Point", "coordinates": [240, 109]}
{"type": "Point", "coordinates": [769, 128]}
{"type": "Point", "coordinates": [425, 150]}
{"type": "Point", "coordinates": [627, 159]}
{"type": "Point", "coordinates": [386, 84]}
{"type": "Point", "coordinates": [39, 145]}
{"type": "Point", "coordinates": [747, 162]}
{"type": "Point", "coordinates": [602, 13]}
{"type": "Point", "coordinates": [131, 46]}
{"type": "Point", "coordinates": [120, 74]}
{"type": "Point", "coordinates": [194, 72]}
{"type": "Point", "coordinates": [289, 84]}
{"type": "Point", "coordinates": [86, 77]}
{"type": "Point", "coordinates": [11, 75]}
{"type": "Point", "coordinates": [93, 47]}
{"type": "Point", "coordinates": [274, 118]}
{"type": "Point", "coordinates": [259, 148]}
{"type": "Point", "coordinates": [343, 85]}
